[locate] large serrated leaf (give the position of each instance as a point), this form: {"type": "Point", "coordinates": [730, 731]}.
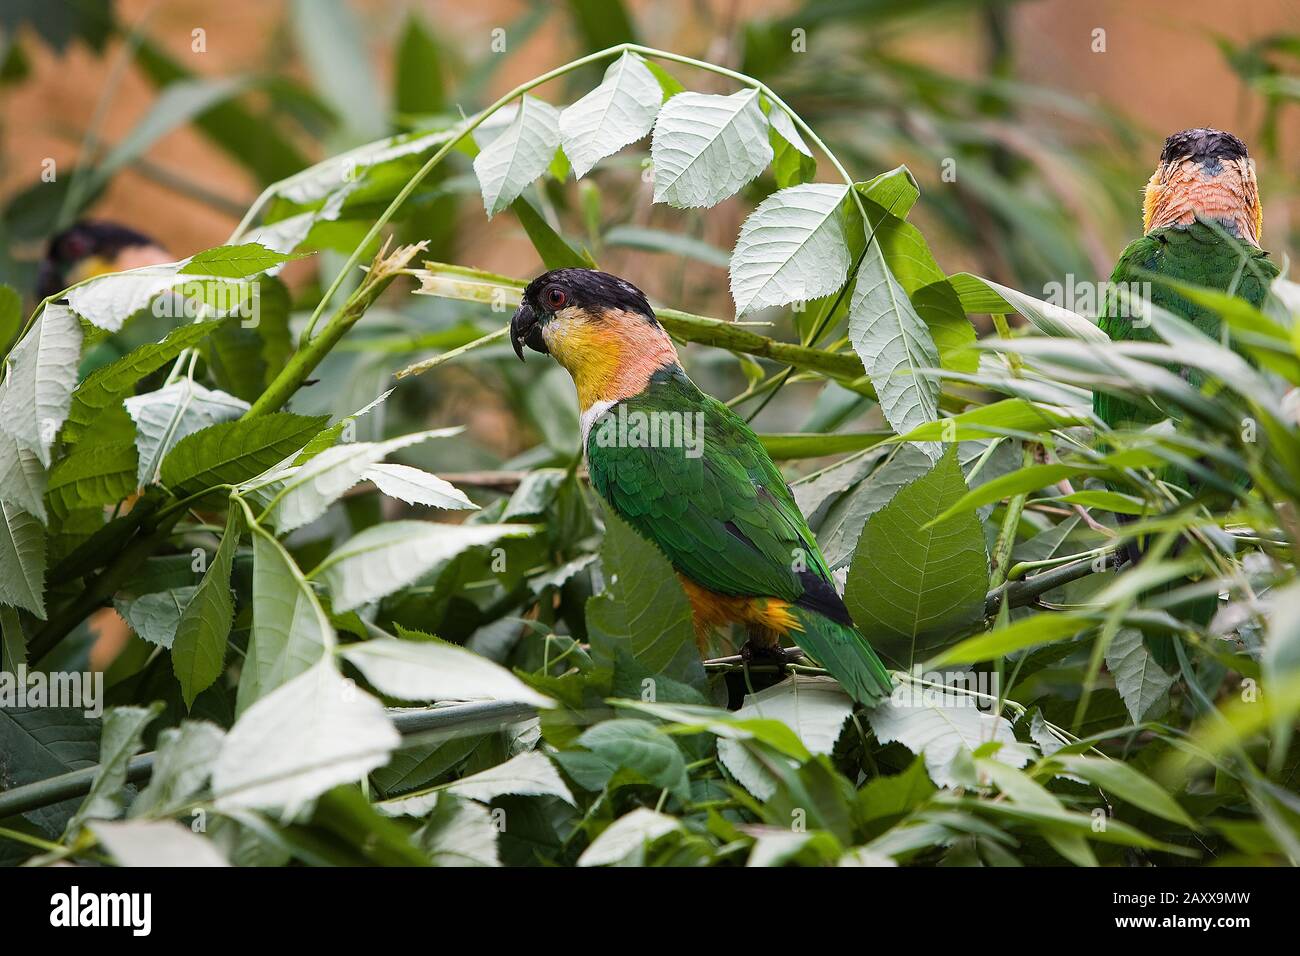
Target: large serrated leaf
{"type": "Point", "coordinates": [913, 586]}
{"type": "Point", "coordinates": [181, 767]}
{"type": "Point", "coordinates": [308, 735]}
{"type": "Point", "coordinates": [199, 650]}
{"type": "Point", "coordinates": [299, 494]}
{"type": "Point", "coordinates": [939, 725]}
{"type": "Point", "coordinates": [37, 393]}
{"type": "Point", "coordinates": [22, 560]}
{"type": "Point", "coordinates": [815, 708]}
{"type": "Point", "coordinates": [389, 556]}
{"type": "Point", "coordinates": [792, 248]}
{"type": "Point", "coordinates": [97, 475]}
{"type": "Point", "coordinates": [109, 384]}
{"type": "Point", "coordinates": [235, 262]}
{"type": "Point", "coordinates": [164, 417]}
{"type": "Point", "coordinates": [22, 477]}
{"type": "Point", "coordinates": [509, 164]}
{"type": "Point", "coordinates": [1142, 683]}
{"type": "Point", "coordinates": [706, 147]}
{"type": "Point", "coordinates": [417, 487]}
{"type": "Point", "coordinates": [232, 452]}
{"type": "Point", "coordinates": [290, 629]}
{"type": "Point", "coordinates": [895, 346]}
{"type": "Point", "coordinates": [642, 621]}
{"type": "Point", "coordinates": [619, 111]}
{"type": "Point", "coordinates": [433, 670]}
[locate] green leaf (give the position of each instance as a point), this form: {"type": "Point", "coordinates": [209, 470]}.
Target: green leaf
{"type": "Point", "coordinates": [912, 586]}
{"type": "Point", "coordinates": [1280, 661]}
{"type": "Point", "coordinates": [11, 316]}
{"type": "Point", "coordinates": [417, 487]}
{"type": "Point", "coordinates": [307, 735]}
{"type": "Point", "coordinates": [96, 475]}
{"type": "Point", "coordinates": [164, 417]}
{"type": "Point", "coordinates": [792, 248]}
{"type": "Point", "coordinates": [181, 768]}
{"type": "Point", "coordinates": [993, 420]}
{"type": "Point", "coordinates": [641, 624]}
{"type": "Point", "coordinates": [1129, 785]}
{"type": "Point", "coordinates": [236, 262]}
{"type": "Point", "coordinates": [22, 477]}
{"type": "Point", "coordinates": [109, 384]}
{"type": "Point", "coordinates": [1142, 683]}
{"type": "Point", "coordinates": [1111, 501]}
{"type": "Point", "coordinates": [232, 452]}
{"type": "Point", "coordinates": [895, 345]}
{"type": "Point", "coordinates": [418, 82]}
{"type": "Point", "coordinates": [37, 393]}
{"type": "Point", "coordinates": [434, 670]}
{"type": "Point", "coordinates": [387, 557]}
{"type": "Point", "coordinates": [22, 560]}
{"type": "Point", "coordinates": [1026, 632]}
{"type": "Point", "coordinates": [913, 265]}
{"type": "Point", "coordinates": [706, 147]}
{"type": "Point", "coordinates": [555, 251]}
{"type": "Point", "coordinates": [626, 839]}
{"type": "Point", "coordinates": [940, 725]}
{"type": "Point", "coordinates": [1021, 481]}
{"type": "Point", "coordinates": [120, 741]}
{"type": "Point", "coordinates": [815, 708]}
{"type": "Point", "coordinates": [199, 650]}
{"type": "Point", "coordinates": [154, 616]}
{"type": "Point", "coordinates": [13, 642]}
{"type": "Point", "coordinates": [638, 746]}
{"type": "Point", "coordinates": [621, 110]}
{"type": "Point", "coordinates": [291, 631]}
{"type": "Point", "coordinates": [156, 843]}
{"type": "Point", "coordinates": [983, 296]}
{"type": "Point", "coordinates": [459, 832]}
{"type": "Point", "coordinates": [518, 155]}
{"type": "Point", "coordinates": [299, 494]}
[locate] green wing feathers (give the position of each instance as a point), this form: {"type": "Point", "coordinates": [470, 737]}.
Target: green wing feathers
{"type": "Point", "coordinates": [724, 516]}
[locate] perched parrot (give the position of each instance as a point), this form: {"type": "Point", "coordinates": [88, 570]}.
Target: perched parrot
{"type": "Point", "coordinates": [1205, 179]}
{"type": "Point", "coordinates": [719, 508]}
{"type": "Point", "coordinates": [91, 248]}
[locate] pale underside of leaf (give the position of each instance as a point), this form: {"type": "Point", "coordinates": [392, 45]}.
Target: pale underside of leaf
{"type": "Point", "coordinates": [618, 112]}
{"type": "Point", "coordinates": [706, 147]}
{"type": "Point", "coordinates": [792, 248]}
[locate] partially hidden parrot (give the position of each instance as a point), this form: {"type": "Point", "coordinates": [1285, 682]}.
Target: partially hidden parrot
{"type": "Point", "coordinates": [1203, 187]}
{"type": "Point", "coordinates": [94, 247]}
{"type": "Point", "coordinates": [717, 507]}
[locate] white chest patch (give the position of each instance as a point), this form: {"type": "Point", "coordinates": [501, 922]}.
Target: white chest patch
{"type": "Point", "coordinates": [589, 418]}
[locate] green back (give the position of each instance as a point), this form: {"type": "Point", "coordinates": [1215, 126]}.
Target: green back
{"type": "Point", "coordinates": [725, 519]}
{"type": "Point", "coordinates": [1195, 254]}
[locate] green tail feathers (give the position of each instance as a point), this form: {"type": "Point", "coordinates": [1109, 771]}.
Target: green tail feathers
{"type": "Point", "coordinates": [846, 654]}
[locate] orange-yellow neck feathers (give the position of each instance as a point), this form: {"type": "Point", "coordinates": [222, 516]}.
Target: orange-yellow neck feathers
{"type": "Point", "coordinates": [1181, 190]}
{"type": "Point", "coordinates": [610, 354]}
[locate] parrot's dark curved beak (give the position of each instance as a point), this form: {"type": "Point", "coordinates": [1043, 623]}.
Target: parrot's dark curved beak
{"type": "Point", "coordinates": [526, 330]}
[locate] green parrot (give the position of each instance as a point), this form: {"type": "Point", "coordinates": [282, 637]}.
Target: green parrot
{"type": "Point", "coordinates": [1203, 187]}
{"type": "Point", "coordinates": [687, 473]}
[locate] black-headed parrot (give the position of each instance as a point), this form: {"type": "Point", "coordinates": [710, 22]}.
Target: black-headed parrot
{"type": "Point", "coordinates": [1201, 225]}
{"type": "Point", "coordinates": [712, 500]}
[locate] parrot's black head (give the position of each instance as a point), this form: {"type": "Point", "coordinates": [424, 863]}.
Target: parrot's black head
{"type": "Point", "coordinates": [1204, 146]}
{"type": "Point", "coordinates": [1204, 174]}
{"type": "Point", "coordinates": [93, 247]}
{"type": "Point", "coordinates": [575, 304]}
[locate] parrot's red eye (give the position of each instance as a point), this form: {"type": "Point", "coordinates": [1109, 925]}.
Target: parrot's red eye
{"type": "Point", "coordinates": [556, 298]}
